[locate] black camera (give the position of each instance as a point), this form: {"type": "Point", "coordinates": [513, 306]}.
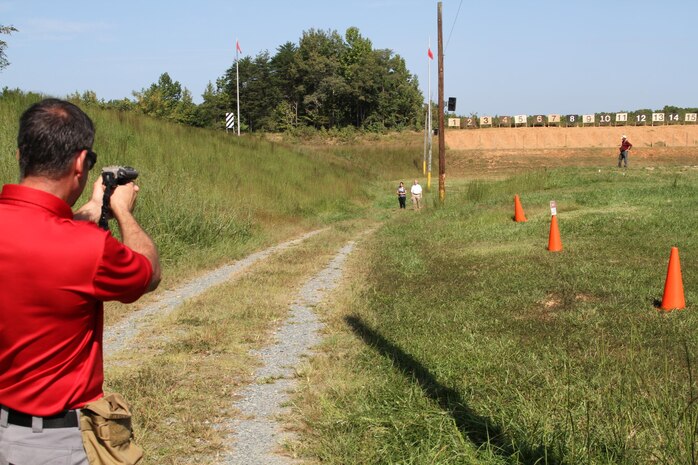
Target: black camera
{"type": "Point", "coordinates": [113, 176]}
{"type": "Point", "coordinates": [118, 175]}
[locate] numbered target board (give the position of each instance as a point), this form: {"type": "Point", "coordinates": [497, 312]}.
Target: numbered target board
{"type": "Point", "coordinates": [640, 119]}
{"type": "Point", "coordinates": [485, 121]}
{"type": "Point", "coordinates": [605, 120]}
{"type": "Point", "coordinates": [621, 118]}
{"type": "Point", "coordinates": [572, 120]}
{"type": "Point", "coordinates": [520, 119]}
{"type": "Point", "coordinates": [538, 120]}
{"type": "Point", "coordinates": [554, 119]}
{"type": "Point", "coordinates": [454, 122]}
{"type": "Point", "coordinates": [470, 122]}
{"type": "Point", "coordinates": [504, 121]}
{"type": "Point", "coordinates": [690, 117]}
{"type": "Point", "coordinates": [657, 118]}
{"type": "Point", "coordinates": [588, 119]}
{"type": "Point", "coordinates": [673, 118]}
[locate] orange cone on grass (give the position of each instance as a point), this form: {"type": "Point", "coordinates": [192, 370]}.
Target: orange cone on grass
{"type": "Point", "coordinates": [673, 287]}
{"type": "Point", "coordinates": [519, 215]}
{"type": "Point", "coordinates": [554, 241]}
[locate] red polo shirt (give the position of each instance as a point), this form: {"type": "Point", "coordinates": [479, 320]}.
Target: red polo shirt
{"type": "Point", "coordinates": [55, 273]}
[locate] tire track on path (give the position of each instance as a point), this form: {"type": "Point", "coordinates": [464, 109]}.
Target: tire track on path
{"type": "Point", "coordinates": [257, 434]}
{"type": "Point", "coordinates": [123, 334]}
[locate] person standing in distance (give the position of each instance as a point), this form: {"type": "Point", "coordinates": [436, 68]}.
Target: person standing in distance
{"type": "Point", "coordinates": [401, 194]}
{"type": "Point", "coordinates": [416, 192]}
{"type": "Point", "coordinates": [58, 267]}
{"type": "Point", "coordinates": [625, 145]}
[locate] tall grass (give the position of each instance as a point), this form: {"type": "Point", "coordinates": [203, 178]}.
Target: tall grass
{"type": "Point", "coordinates": [207, 196]}
{"type": "Point", "coordinates": [467, 342]}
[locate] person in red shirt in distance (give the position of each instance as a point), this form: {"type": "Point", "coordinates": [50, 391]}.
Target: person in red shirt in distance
{"type": "Point", "coordinates": [57, 267]}
{"type": "Point", "coordinates": [625, 145]}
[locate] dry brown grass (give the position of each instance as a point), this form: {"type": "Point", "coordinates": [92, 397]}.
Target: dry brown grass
{"type": "Point", "coordinates": [183, 383]}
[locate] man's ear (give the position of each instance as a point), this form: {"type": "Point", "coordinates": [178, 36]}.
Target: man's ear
{"type": "Point", "coordinates": [79, 163]}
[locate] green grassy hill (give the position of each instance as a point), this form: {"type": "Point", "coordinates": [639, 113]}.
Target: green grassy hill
{"type": "Point", "coordinates": [208, 196]}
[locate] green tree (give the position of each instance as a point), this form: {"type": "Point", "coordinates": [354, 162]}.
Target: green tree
{"type": "Point", "coordinates": [362, 75]}
{"type": "Point", "coordinates": [216, 103]}
{"type": "Point", "coordinates": [259, 95]}
{"type": "Point", "coordinates": [320, 81]}
{"type": "Point", "coordinates": [162, 99]}
{"type": "Point", "coordinates": [285, 78]}
{"type": "Point", "coordinates": [185, 110]}
{"type": "Point", "coordinates": [4, 63]}
{"type": "Point", "coordinates": [400, 100]}
{"type": "Point", "coordinates": [326, 81]}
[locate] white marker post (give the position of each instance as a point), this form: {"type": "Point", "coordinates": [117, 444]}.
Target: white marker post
{"type": "Point", "coordinates": [553, 208]}
{"type": "Point", "coordinates": [229, 121]}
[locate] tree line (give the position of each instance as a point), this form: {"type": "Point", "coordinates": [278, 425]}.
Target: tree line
{"type": "Point", "coordinates": [324, 81]}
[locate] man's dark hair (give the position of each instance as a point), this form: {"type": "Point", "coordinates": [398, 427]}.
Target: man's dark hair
{"type": "Point", "coordinates": [51, 133]}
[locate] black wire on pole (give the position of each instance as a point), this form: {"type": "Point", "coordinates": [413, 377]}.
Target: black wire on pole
{"type": "Point", "coordinates": [448, 41]}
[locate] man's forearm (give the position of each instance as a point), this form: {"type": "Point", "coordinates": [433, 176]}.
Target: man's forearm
{"type": "Point", "coordinates": [91, 211]}
{"type": "Point", "coordinates": [138, 240]}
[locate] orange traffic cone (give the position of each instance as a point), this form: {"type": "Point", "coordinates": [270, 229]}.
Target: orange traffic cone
{"type": "Point", "coordinates": [673, 288]}
{"type": "Point", "coordinates": [519, 215]}
{"type": "Point", "coordinates": [554, 242]}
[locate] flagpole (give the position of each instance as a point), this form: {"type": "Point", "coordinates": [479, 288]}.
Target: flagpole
{"type": "Point", "coordinates": [431, 134]}
{"type": "Point", "coordinates": [237, 80]}
{"type": "Point", "coordinates": [426, 130]}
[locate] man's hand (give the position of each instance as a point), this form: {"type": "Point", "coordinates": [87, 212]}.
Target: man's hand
{"type": "Point", "coordinates": [123, 200]}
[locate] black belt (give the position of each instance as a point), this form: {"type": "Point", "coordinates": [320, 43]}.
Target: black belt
{"type": "Point", "coordinates": [67, 419]}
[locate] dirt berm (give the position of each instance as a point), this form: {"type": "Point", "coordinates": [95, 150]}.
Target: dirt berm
{"type": "Point", "coordinates": [527, 138]}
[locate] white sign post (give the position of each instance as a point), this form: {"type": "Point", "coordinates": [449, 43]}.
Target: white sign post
{"type": "Point", "coordinates": [553, 208]}
{"type": "Point", "coordinates": [520, 119]}
{"type": "Point", "coordinates": [229, 121]}
{"type": "Point", "coordinates": [621, 118]}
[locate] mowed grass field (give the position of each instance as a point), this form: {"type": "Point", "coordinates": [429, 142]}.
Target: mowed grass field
{"type": "Point", "coordinates": [456, 338]}
{"type": "Point", "coordinates": [461, 340]}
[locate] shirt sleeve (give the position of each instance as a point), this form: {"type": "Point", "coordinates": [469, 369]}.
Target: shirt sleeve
{"type": "Point", "coordinates": [123, 274]}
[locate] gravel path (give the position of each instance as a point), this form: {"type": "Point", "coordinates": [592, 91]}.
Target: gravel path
{"type": "Point", "coordinates": [257, 435]}
{"type": "Point", "coordinates": [123, 334]}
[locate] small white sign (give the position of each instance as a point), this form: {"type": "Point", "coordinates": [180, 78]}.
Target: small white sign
{"type": "Point", "coordinates": [485, 121]}
{"type": "Point", "coordinates": [621, 117]}
{"type": "Point", "coordinates": [553, 118]}
{"type": "Point", "coordinates": [229, 120]}
{"type": "Point", "coordinates": [691, 117]}
{"type": "Point", "coordinates": [520, 119]}
{"type": "Point", "coordinates": [553, 208]}
{"type": "Point", "coordinates": [588, 119]}
{"type": "Point", "coordinates": [657, 117]}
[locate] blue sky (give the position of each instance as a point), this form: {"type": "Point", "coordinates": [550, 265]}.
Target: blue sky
{"type": "Point", "coordinates": [503, 57]}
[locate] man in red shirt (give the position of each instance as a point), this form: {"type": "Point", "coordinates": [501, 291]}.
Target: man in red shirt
{"type": "Point", "coordinates": [625, 145]}
{"type": "Point", "coordinates": [57, 267]}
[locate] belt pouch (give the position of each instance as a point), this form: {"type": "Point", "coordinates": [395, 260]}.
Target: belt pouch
{"type": "Point", "coordinates": [105, 425]}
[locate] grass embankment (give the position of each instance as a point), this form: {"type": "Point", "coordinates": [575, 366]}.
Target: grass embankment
{"type": "Point", "coordinates": [208, 197]}
{"type": "Point", "coordinates": [463, 340]}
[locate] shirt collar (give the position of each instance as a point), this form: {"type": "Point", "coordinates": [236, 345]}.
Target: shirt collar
{"type": "Point", "coordinates": [39, 198]}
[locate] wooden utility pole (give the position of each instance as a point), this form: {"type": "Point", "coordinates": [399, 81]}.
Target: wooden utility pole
{"type": "Point", "coordinates": [442, 138]}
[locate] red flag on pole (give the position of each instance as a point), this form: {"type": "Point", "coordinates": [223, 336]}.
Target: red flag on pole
{"type": "Point", "coordinates": [431, 55]}
{"type": "Point", "coordinates": [237, 46]}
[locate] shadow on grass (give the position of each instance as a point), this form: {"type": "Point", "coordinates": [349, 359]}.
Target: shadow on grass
{"type": "Point", "coordinates": [481, 431]}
